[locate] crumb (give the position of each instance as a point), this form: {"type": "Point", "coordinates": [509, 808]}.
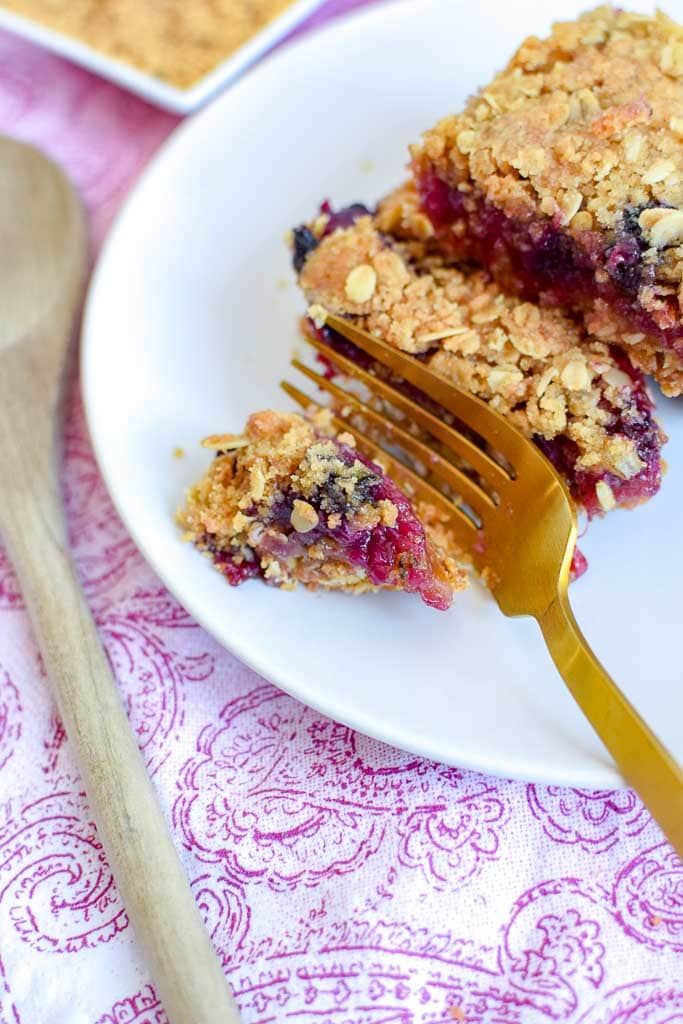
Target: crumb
{"type": "Point", "coordinates": [304, 517]}
{"type": "Point", "coordinates": [225, 442]}
{"type": "Point", "coordinates": [178, 453]}
{"type": "Point", "coordinates": [489, 578]}
{"type": "Point", "coordinates": [346, 438]}
{"type": "Point", "coordinates": [318, 314]}
{"type": "Point", "coordinates": [366, 166]}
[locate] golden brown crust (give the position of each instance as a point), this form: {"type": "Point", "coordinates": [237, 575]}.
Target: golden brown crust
{"type": "Point", "coordinates": [586, 121]}
{"type": "Point", "coordinates": [535, 365]}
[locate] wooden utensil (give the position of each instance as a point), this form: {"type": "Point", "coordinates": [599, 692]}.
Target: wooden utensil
{"type": "Point", "coordinates": [43, 239]}
{"type": "Point", "coordinates": [516, 521]}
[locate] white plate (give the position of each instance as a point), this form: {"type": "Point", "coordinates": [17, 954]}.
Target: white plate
{"type": "Point", "coordinates": [189, 326]}
{"type": "Point", "coordinates": [157, 91]}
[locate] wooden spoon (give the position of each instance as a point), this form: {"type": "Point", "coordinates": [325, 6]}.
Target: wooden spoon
{"type": "Point", "coordinates": [43, 241]}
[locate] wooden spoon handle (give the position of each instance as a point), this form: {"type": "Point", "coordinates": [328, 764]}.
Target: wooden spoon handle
{"type": "Point", "coordinates": [148, 872]}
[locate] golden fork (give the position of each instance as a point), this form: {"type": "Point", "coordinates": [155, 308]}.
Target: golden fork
{"type": "Point", "coordinates": [517, 523]}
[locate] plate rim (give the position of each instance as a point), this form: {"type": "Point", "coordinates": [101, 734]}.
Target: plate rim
{"type": "Point", "coordinates": [596, 776]}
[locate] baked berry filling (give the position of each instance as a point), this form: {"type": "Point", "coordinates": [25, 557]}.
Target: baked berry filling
{"type": "Point", "coordinates": [535, 258]}
{"type": "Point", "coordinates": [392, 554]}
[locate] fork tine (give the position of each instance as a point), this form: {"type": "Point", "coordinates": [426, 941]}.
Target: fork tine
{"type": "Point", "coordinates": [471, 410]}
{"type": "Point", "coordinates": [464, 529]}
{"type": "Point", "coordinates": [482, 463]}
{"type": "Point", "coordinates": [444, 470]}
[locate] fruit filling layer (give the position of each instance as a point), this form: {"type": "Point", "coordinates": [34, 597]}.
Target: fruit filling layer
{"type": "Point", "coordinates": [290, 502]}
{"type": "Point", "coordinates": [605, 277]}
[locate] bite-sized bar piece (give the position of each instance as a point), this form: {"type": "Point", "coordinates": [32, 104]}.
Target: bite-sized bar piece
{"type": "Point", "coordinates": [291, 503]}
{"type": "Point", "coordinates": [564, 176]}
{"type": "Point", "coordinates": [584, 404]}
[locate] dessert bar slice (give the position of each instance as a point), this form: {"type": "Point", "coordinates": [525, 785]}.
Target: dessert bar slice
{"type": "Point", "coordinates": [564, 176]}
{"type": "Point", "coordinates": [291, 503]}
{"type": "Point", "coordinates": [584, 404]}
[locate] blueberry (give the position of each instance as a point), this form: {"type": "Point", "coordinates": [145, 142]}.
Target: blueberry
{"type": "Point", "coordinates": [343, 218]}
{"type": "Point", "coordinates": [304, 243]}
{"type": "Point", "coordinates": [623, 258]}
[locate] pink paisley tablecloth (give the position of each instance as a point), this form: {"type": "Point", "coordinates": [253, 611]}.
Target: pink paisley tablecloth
{"type": "Point", "coordinates": [342, 881]}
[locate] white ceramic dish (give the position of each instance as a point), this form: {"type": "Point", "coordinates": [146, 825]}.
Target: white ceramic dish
{"type": "Point", "coordinates": [189, 325]}
{"type": "Point", "coordinates": [163, 94]}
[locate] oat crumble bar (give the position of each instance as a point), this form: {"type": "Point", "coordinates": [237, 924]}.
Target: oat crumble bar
{"type": "Point", "coordinates": [584, 404]}
{"type": "Point", "coordinates": [564, 176]}
{"type": "Point", "coordinates": [289, 502]}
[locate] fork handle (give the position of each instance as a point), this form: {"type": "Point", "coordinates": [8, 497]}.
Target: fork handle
{"type": "Point", "coordinates": [644, 762]}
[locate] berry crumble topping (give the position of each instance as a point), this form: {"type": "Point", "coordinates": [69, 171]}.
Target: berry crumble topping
{"type": "Point", "coordinates": [289, 502]}
{"type": "Point", "coordinates": [564, 176]}
{"type": "Point", "coordinates": [582, 402]}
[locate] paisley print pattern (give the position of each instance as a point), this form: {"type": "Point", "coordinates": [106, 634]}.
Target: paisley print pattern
{"type": "Point", "coordinates": [56, 889]}
{"type": "Point", "coordinates": [142, 1008]}
{"type": "Point", "coordinates": [649, 894]}
{"type": "Point", "coordinates": [361, 797]}
{"type": "Point", "coordinates": [595, 819]}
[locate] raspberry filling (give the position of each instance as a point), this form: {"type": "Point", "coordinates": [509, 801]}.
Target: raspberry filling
{"type": "Point", "coordinates": [635, 423]}
{"type": "Point", "coordinates": [396, 555]}
{"type": "Point", "coordinates": [535, 257]}
{"type": "Point", "coordinates": [578, 566]}
{"type": "Point", "coordinates": [234, 572]}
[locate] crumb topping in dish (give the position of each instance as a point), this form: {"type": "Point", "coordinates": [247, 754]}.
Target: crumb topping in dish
{"type": "Point", "coordinates": [174, 40]}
